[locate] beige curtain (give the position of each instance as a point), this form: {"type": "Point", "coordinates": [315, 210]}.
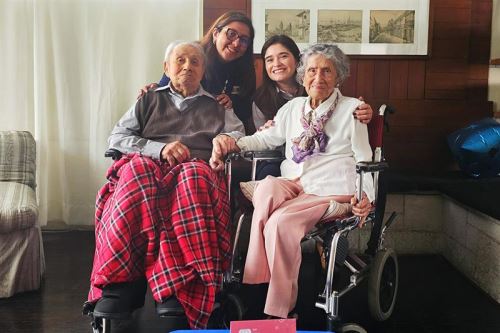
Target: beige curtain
{"type": "Point", "coordinates": [70, 69]}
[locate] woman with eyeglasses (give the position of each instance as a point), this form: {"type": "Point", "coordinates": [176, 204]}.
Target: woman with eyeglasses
{"type": "Point", "coordinates": [229, 74]}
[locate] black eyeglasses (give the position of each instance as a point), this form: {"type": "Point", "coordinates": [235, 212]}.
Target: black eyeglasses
{"type": "Point", "coordinates": [233, 35]}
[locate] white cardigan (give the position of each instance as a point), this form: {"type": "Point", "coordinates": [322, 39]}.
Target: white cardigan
{"type": "Point", "coordinates": [333, 171]}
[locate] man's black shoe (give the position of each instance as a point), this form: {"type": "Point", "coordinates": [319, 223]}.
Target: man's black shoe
{"type": "Point", "coordinates": [170, 307]}
{"type": "Point", "coordinates": [120, 299]}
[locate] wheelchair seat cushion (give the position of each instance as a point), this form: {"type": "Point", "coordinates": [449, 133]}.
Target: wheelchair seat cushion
{"type": "Point", "coordinates": [336, 210]}
{"type": "Point", "coordinates": [248, 188]}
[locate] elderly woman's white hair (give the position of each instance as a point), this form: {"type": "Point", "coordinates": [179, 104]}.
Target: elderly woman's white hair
{"type": "Point", "coordinates": [330, 51]}
{"type": "Point", "coordinates": [170, 48]}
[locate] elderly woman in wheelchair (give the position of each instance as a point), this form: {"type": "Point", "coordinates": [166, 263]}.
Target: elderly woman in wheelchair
{"type": "Point", "coordinates": [162, 220]}
{"type": "Point", "coordinates": [323, 142]}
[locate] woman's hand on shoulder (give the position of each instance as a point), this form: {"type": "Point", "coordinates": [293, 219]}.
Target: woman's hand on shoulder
{"type": "Point", "coordinates": [225, 101]}
{"type": "Point", "coordinates": [364, 112]}
{"type": "Point", "coordinates": [145, 89]}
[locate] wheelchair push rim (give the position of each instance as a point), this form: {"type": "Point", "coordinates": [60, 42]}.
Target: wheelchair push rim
{"type": "Point", "coordinates": [383, 284]}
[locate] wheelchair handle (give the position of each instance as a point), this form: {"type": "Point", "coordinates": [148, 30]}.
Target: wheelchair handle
{"type": "Point", "coordinates": [371, 166]}
{"type": "Point", "coordinates": [115, 154]}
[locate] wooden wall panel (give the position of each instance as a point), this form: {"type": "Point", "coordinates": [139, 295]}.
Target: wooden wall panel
{"type": "Point", "coordinates": [365, 79]}
{"type": "Point", "coordinates": [450, 48]}
{"type": "Point", "coordinates": [478, 72]}
{"type": "Point", "coordinates": [452, 15]}
{"type": "Point", "coordinates": [433, 95]}
{"type": "Point", "coordinates": [476, 89]}
{"type": "Point", "coordinates": [446, 81]}
{"type": "Point", "coordinates": [212, 9]}
{"type": "Point", "coordinates": [453, 3]}
{"type": "Point", "coordinates": [457, 94]}
{"type": "Point", "coordinates": [446, 31]}
{"type": "Point", "coordinates": [418, 129]}
{"type": "Point", "coordinates": [480, 50]}
{"type": "Point", "coordinates": [398, 79]}
{"type": "Point", "coordinates": [259, 64]}
{"type": "Point", "coordinates": [226, 4]}
{"type": "Point", "coordinates": [382, 79]}
{"type": "Point", "coordinates": [446, 65]}
{"type": "Point", "coordinates": [416, 80]}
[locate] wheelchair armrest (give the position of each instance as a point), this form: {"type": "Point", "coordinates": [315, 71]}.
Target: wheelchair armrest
{"type": "Point", "coordinates": [113, 153]}
{"type": "Point", "coordinates": [362, 167]}
{"type": "Point", "coordinates": [274, 155]}
{"type": "Point", "coordinates": [254, 157]}
{"type": "Point", "coordinates": [232, 157]}
{"type": "Point", "coordinates": [264, 155]}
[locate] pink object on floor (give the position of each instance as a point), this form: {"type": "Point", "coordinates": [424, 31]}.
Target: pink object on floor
{"type": "Point", "coordinates": [264, 326]}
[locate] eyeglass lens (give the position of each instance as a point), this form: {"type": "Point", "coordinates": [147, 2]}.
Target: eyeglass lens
{"type": "Point", "coordinates": [233, 35]}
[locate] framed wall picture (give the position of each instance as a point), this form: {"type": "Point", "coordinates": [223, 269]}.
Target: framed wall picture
{"type": "Point", "coordinates": [364, 27]}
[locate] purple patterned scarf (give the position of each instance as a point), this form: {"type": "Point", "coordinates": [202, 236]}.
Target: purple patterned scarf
{"type": "Point", "coordinates": [313, 140]}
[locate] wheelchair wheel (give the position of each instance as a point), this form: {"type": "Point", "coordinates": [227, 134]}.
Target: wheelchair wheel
{"type": "Point", "coordinates": [230, 308]}
{"type": "Point", "coordinates": [351, 328]}
{"type": "Point", "coordinates": [383, 284]}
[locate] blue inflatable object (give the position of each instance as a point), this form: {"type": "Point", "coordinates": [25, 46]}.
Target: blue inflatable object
{"type": "Point", "coordinates": [477, 148]}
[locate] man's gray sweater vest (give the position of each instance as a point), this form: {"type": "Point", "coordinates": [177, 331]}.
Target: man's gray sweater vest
{"type": "Point", "coordinates": [195, 127]}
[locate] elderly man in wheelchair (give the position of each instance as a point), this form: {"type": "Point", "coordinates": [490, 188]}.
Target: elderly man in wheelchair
{"type": "Point", "coordinates": [319, 179]}
{"type": "Point", "coordinates": [162, 220]}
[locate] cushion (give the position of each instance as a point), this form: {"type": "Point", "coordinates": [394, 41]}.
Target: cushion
{"type": "Point", "coordinates": [477, 148]}
{"type": "Point", "coordinates": [335, 211]}
{"type": "Point", "coordinates": [18, 157]}
{"type": "Point", "coordinates": [247, 188]}
{"type": "Point", "coordinates": [18, 207]}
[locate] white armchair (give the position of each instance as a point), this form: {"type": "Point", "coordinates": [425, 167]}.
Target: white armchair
{"type": "Point", "coordinates": [22, 261]}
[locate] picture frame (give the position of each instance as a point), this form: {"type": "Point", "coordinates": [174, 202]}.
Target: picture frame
{"type": "Point", "coordinates": [358, 27]}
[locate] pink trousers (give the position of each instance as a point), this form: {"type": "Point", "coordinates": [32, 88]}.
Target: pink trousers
{"type": "Point", "coordinates": [283, 214]}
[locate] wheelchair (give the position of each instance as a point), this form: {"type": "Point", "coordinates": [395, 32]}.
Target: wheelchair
{"type": "Point", "coordinates": [228, 306]}
{"type": "Point", "coordinates": [378, 264]}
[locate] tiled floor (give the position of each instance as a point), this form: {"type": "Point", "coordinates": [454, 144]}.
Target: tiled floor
{"type": "Point", "coordinates": [433, 297]}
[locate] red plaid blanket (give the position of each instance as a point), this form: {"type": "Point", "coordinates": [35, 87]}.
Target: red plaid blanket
{"type": "Point", "coordinates": [170, 225]}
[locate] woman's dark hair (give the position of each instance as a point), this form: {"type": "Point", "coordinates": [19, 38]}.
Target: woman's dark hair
{"type": "Point", "coordinates": [266, 94]}
{"type": "Point", "coordinates": [244, 65]}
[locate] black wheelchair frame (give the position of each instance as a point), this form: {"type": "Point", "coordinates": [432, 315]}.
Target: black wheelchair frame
{"type": "Point", "coordinates": [378, 264]}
